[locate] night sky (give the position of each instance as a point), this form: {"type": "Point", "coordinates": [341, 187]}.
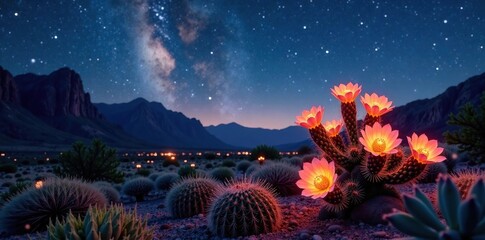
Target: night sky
{"type": "Point", "coordinates": [259, 63]}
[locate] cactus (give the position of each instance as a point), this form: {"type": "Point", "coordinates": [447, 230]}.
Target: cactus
{"type": "Point", "coordinates": [431, 172]}
{"type": "Point", "coordinates": [228, 163]}
{"type": "Point", "coordinates": [190, 197]}
{"type": "Point", "coordinates": [32, 209]}
{"type": "Point", "coordinates": [111, 194]}
{"type": "Point", "coordinates": [294, 161]}
{"type": "Point", "coordinates": [154, 176]}
{"type": "Point", "coordinates": [243, 165]}
{"type": "Point", "coordinates": [112, 223]}
{"type": "Point", "coordinates": [465, 219]}
{"type": "Point", "coordinates": [464, 180]}
{"type": "Point", "coordinates": [138, 188]}
{"type": "Point", "coordinates": [187, 171]}
{"type": "Point", "coordinates": [281, 177]}
{"type": "Point", "coordinates": [369, 155]}
{"type": "Point", "coordinates": [244, 208]}
{"type": "Point", "coordinates": [222, 174]}
{"type": "Point", "coordinates": [165, 181]}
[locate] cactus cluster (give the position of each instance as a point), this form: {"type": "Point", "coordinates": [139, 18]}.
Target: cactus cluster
{"type": "Point", "coordinates": [464, 180]}
{"type": "Point", "coordinates": [368, 156]}
{"type": "Point", "coordinates": [138, 188]}
{"type": "Point", "coordinates": [32, 209]}
{"type": "Point", "coordinates": [222, 174]}
{"type": "Point", "coordinates": [112, 223]}
{"type": "Point", "coordinates": [281, 177]}
{"type": "Point", "coordinates": [190, 197]}
{"type": "Point", "coordinates": [166, 180]}
{"type": "Point", "coordinates": [244, 208]}
{"type": "Point", "coordinates": [111, 194]}
{"type": "Point", "coordinates": [464, 219]}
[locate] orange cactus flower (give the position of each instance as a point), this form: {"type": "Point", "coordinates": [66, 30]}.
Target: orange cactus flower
{"type": "Point", "coordinates": [317, 178]}
{"type": "Point", "coordinates": [424, 150]}
{"type": "Point", "coordinates": [310, 118]}
{"type": "Point", "coordinates": [333, 127]}
{"type": "Point", "coordinates": [346, 93]}
{"type": "Point", "coordinates": [380, 140]}
{"type": "Point", "coordinates": [376, 105]}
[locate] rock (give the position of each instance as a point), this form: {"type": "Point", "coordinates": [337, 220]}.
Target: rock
{"type": "Point", "coordinates": [316, 237]}
{"type": "Point", "coordinates": [335, 228]}
{"type": "Point", "coordinates": [380, 234]}
{"type": "Point", "coordinates": [372, 210]}
{"type": "Point", "coordinates": [325, 214]}
{"type": "Point", "coordinates": [8, 88]}
{"type": "Point", "coordinates": [304, 235]}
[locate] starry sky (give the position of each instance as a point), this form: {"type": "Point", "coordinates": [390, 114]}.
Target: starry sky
{"type": "Point", "coordinates": [255, 62]}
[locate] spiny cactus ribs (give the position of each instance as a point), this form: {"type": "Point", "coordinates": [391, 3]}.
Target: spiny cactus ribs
{"type": "Point", "coordinates": [373, 165]}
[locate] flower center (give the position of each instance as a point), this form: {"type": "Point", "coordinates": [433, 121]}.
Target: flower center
{"type": "Point", "coordinates": [321, 182]}
{"type": "Point", "coordinates": [379, 145]}
{"type": "Point", "coordinates": [424, 151]}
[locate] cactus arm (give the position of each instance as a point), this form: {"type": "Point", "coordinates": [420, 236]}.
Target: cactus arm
{"type": "Point", "coordinates": [372, 167]}
{"type": "Point", "coordinates": [370, 120]}
{"type": "Point", "coordinates": [478, 190]}
{"type": "Point", "coordinates": [349, 114]}
{"type": "Point", "coordinates": [420, 211]}
{"type": "Point", "coordinates": [480, 228]}
{"type": "Point", "coordinates": [320, 137]}
{"type": "Point", "coordinates": [407, 172]}
{"type": "Point", "coordinates": [411, 226]}
{"type": "Point", "coordinates": [449, 200]}
{"type": "Point", "coordinates": [338, 142]}
{"type": "Point", "coordinates": [394, 161]}
{"type": "Point", "coordinates": [468, 215]}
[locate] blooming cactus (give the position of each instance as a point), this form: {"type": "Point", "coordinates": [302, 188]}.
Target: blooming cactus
{"type": "Point", "coordinates": [317, 178]}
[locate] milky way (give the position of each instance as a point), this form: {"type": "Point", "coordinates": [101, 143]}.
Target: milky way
{"type": "Point", "coordinates": [255, 62]}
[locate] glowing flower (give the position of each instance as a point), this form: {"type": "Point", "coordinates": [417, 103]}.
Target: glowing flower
{"type": "Point", "coordinates": [333, 127]}
{"type": "Point", "coordinates": [317, 178]}
{"type": "Point", "coordinates": [424, 150]}
{"type": "Point", "coordinates": [376, 105]}
{"type": "Point", "coordinates": [310, 118]}
{"type": "Point", "coordinates": [380, 140]}
{"type": "Point", "coordinates": [346, 93]}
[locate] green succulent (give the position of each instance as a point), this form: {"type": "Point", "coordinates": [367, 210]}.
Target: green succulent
{"type": "Point", "coordinates": [101, 223]}
{"type": "Point", "coordinates": [465, 219]}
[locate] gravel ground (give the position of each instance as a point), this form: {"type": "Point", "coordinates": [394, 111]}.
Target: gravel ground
{"type": "Point", "coordinates": [300, 222]}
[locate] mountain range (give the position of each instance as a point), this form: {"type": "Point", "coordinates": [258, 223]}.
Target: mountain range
{"type": "Point", "coordinates": [52, 111]}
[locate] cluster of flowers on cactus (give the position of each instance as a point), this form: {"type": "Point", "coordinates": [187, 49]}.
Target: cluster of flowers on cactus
{"type": "Point", "coordinates": [377, 160]}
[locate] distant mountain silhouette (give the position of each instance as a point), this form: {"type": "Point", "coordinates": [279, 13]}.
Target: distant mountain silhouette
{"type": "Point", "coordinates": [238, 135]}
{"type": "Point", "coordinates": [52, 110]}
{"type": "Point", "coordinates": [430, 115]}
{"type": "Point", "coordinates": [152, 122]}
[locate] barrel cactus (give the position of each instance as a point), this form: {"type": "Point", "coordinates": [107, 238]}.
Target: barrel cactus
{"type": "Point", "coordinates": [465, 178]}
{"type": "Point", "coordinates": [244, 208]}
{"type": "Point", "coordinates": [166, 180]}
{"type": "Point", "coordinates": [280, 176]}
{"type": "Point", "coordinates": [111, 194]}
{"type": "Point", "coordinates": [190, 197]}
{"type": "Point", "coordinates": [222, 174]}
{"type": "Point", "coordinates": [138, 188]}
{"type": "Point", "coordinates": [112, 223]}
{"type": "Point", "coordinates": [32, 209]}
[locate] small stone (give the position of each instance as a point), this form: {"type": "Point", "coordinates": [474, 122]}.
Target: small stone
{"type": "Point", "coordinates": [304, 236]}
{"type": "Point", "coordinates": [335, 228]}
{"type": "Point", "coordinates": [165, 226]}
{"type": "Point", "coordinates": [380, 234]}
{"type": "Point", "coordinates": [316, 237]}
{"type": "Point", "coordinates": [293, 223]}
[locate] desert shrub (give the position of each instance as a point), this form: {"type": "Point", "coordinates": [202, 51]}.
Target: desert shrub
{"type": "Point", "coordinates": [264, 151]}
{"type": "Point", "coordinates": [210, 156]}
{"type": "Point", "coordinates": [209, 165]}
{"type": "Point", "coordinates": [112, 195]}
{"type": "Point", "coordinates": [166, 180]}
{"type": "Point", "coordinates": [169, 162]}
{"type": "Point", "coordinates": [308, 158]}
{"type": "Point", "coordinates": [243, 209]}
{"type": "Point", "coordinates": [32, 209]}
{"type": "Point", "coordinates": [13, 190]}
{"type": "Point", "coordinates": [138, 188]}
{"type": "Point", "coordinates": [96, 163]}
{"type": "Point", "coordinates": [222, 174]}
{"type": "Point", "coordinates": [8, 168]}
{"type": "Point", "coordinates": [281, 177]}
{"type": "Point", "coordinates": [294, 161]}
{"type": "Point", "coordinates": [187, 171]}
{"type": "Point", "coordinates": [243, 165]}
{"type": "Point", "coordinates": [470, 136]}
{"type": "Point", "coordinates": [251, 169]}
{"type": "Point", "coordinates": [305, 150]}
{"type": "Point", "coordinates": [190, 197]}
{"type": "Point", "coordinates": [143, 172]}
{"type": "Point", "coordinates": [200, 173]}
{"type": "Point", "coordinates": [154, 176]}
{"type": "Point", "coordinates": [228, 163]}
{"type": "Point", "coordinates": [112, 223]}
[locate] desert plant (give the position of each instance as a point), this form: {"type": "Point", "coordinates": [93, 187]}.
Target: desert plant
{"type": "Point", "coordinates": [243, 165]}
{"type": "Point", "coordinates": [32, 209]}
{"type": "Point", "coordinates": [154, 176]}
{"type": "Point", "coordinates": [304, 150]}
{"type": "Point", "coordinates": [470, 136]}
{"type": "Point", "coordinates": [367, 155]}
{"type": "Point", "coordinates": [8, 168]}
{"type": "Point", "coordinates": [264, 151]}
{"type": "Point", "coordinates": [166, 180]}
{"type": "Point", "coordinates": [465, 219]}
{"type": "Point", "coordinates": [210, 156]}
{"type": "Point", "coordinates": [13, 190]}
{"type": "Point", "coordinates": [138, 188]}
{"type": "Point", "coordinates": [190, 197]}
{"type": "Point", "coordinates": [228, 163]}
{"type": "Point", "coordinates": [294, 161]}
{"type": "Point", "coordinates": [251, 169]}
{"type": "Point", "coordinates": [112, 195]}
{"type": "Point", "coordinates": [187, 171]}
{"type": "Point", "coordinates": [222, 174]}
{"type": "Point", "coordinates": [244, 208]}
{"type": "Point", "coordinates": [281, 177]}
{"type": "Point", "coordinates": [143, 172]}
{"type": "Point", "coordinates": [432, 171]}
{"type": "Point", "coordinates": [464, 179]}
{"type": "Point", "coordinates": [209, 165]}
{"type": "Point", "coordinates": [112, 223]}
{"type": "Point", "coordinates": [96, 163]}
{"type": "Point", "coordinates": [170, 162]}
